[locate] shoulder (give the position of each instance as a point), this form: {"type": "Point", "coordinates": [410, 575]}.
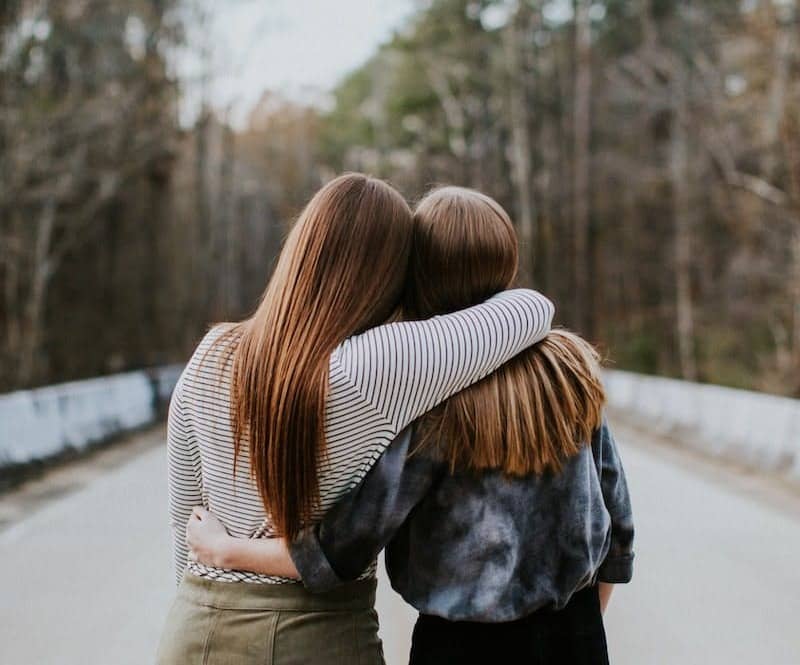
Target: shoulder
{"type": "Point", "coordinates": [220, 339]}
{"type": "Point", "coordinates": [213, 354]}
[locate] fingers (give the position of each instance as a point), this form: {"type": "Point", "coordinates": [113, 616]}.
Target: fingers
{"type": "Point", "coordinates": [191, 530]}
{"type": "Point", "coordinates": [200, 513]}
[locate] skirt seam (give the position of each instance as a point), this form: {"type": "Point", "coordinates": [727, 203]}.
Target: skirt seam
{"type": "Point", "coordinates": [212, 628]}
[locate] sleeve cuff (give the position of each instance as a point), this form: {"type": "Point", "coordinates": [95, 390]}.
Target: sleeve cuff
{"type": "Point", "coordinates": [616, 570]}
{"type": "Point", "coordinates": [315, 570]}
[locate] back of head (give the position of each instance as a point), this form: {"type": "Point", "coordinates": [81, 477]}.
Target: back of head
{"type": "Point", "coordinates": [465, 250]}
{"type": "Point", "coordinates": [538, 409]}
{"type": "Point", "coordinates": [341, 271]}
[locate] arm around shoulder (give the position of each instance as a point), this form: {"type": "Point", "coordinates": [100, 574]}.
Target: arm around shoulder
{"type": "Point", "coordinates": [405, 369]}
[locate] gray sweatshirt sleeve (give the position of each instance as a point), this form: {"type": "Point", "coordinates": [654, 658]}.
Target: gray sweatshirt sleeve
{"type": "Point", "coordinates": [354, 531]}
{"type": "Point", "coordinates": [618, 565]}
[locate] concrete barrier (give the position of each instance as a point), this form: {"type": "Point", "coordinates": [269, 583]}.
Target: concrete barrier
{"type": "Point", "coordinates": [758, 430]}
{"type": "Point", "coordinates": [45, 422]}
{"type": "Point", "coordinates": [164, 380]}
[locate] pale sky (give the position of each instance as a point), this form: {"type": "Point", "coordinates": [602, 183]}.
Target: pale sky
{"type": "Point", "coordinates": [300, 48]}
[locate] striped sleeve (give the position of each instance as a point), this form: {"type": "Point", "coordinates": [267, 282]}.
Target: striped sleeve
{"type": "Point", "coordinates": [405, 369]}
{"type": "Point", "coordinates": [184, 477]}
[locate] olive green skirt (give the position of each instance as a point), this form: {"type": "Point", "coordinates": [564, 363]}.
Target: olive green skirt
{"type": "Point", "coordinates": [239, 623]}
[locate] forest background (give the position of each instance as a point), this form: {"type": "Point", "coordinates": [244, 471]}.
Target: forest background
{"type": "Point", "coordinates": [648, 151]}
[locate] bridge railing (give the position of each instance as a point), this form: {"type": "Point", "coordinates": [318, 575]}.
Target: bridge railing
{"type": "Point", "coordinates": [758, 430]}
{"type": "Point", "coordinates": [754, 429]}
{"type": "Point", "coordinates": [45, 422]}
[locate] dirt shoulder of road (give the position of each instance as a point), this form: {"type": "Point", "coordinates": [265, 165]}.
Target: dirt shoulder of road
{"type": "Point", "coordinates": [58, 478]}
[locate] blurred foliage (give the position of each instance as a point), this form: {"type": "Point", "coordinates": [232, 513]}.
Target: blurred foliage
{"type": "Point", "coordinates": [692, 163]}
{"type": "Point", "coordinates": [648, 150]}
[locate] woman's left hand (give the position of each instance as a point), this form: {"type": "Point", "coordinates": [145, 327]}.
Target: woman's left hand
{"type": "Point", "coordinates": [207, 538]}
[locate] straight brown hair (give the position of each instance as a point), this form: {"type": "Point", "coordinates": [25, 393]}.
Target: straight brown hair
{"type": "Point", "coordinates": [340, 272]}
{"type": "Point", "coordinates": [537, 410]}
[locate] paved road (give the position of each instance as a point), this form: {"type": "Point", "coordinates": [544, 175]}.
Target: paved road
{"type": "Point", "coordinates": [86, 578]}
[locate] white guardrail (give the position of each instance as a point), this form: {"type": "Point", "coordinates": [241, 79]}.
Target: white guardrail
{"type": "Point", "coordinates": [41, 423]}
{"type": "Point", "coordinates": [755, 429]}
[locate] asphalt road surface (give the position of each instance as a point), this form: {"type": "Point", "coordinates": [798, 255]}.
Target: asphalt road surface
{"type": "Point", "coordinates": [85, 565]}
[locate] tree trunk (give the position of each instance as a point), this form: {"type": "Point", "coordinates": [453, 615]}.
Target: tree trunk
{"type": "Point", "coordinates": [226, 223]}
{"type": "Point", "coordinates": [582, 130]}
{"type": "Point", "coordinates": [791, 151]}
{"type": "Point", "coordinates": [785, 129]}
{"type": "Point", "coordinates": [794, 298]}
{"type": "Point", "coordinates": [682, 213]}
{"type": "Point", "coordinates": [776, 107]}
{"type": "Point", "coordinates": [453, 113]}
{"type": "Point", "coordinates": [520, 153]}
{"type": "Point", "coordinates": [12, 269]}
{"type": "Point", "coordinates": [203, 255]}
{"type": "Point", "coordinates": [40, 280]}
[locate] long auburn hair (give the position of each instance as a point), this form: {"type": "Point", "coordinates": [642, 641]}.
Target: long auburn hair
{"type": "Point", "coordinates": [341, 271]}
{"type": "Point", "coordinates": [537, 410]}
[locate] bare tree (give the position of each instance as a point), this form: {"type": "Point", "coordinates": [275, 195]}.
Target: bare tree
{"type": "Point", "coordinates": [582, 137]}
{"type": "Point", "coordinates": [518, 40]}
{"type": "Point", "coordinates": [680, 178]}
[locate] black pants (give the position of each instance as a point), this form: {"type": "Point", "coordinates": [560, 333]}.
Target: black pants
{"type": "Point", "coordinates": [572, 636]}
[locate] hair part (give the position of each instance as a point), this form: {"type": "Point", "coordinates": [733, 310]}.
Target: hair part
{"type": "Point", "coordinates": [465, 250]}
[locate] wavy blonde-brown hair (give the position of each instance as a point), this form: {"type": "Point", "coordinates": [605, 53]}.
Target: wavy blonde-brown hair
{"type": "Point", "coordinates": [537, 410]}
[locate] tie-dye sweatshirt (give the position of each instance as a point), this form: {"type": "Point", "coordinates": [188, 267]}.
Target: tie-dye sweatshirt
{"type": "Point", "coordinates": [478, 547]}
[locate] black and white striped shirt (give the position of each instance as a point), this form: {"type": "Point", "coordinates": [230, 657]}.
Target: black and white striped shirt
{"type": "Point", "coordinates": [380, 381]}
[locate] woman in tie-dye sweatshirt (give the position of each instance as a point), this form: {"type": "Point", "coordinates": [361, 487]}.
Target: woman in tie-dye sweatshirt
{"type": "Point", "coordinates": [504, 512]}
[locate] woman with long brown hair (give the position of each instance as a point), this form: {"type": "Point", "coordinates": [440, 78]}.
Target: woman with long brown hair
{"type": "Point", "coordinates": [504, 511]}
{"type": "Point", "coordinates": [279, 415]}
